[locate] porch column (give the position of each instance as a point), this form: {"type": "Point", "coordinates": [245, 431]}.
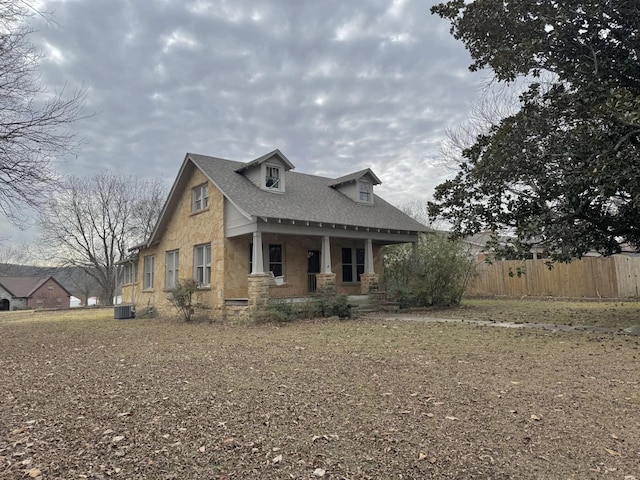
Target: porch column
{"type": "Point", "coordinates": [258, 281]}
{"type": "Point", "coordinates": [257, 266]}
{"type": "Point", "coordinates": [326, 280]}
{"type": "Point", "coordinates": [368, 256]}
{"type": "Point", "coordinates": [369, 279]}
{"type": "Point", "coordinates": [326, 255]}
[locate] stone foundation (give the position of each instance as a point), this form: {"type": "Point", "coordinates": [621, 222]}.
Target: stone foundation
{"type": "Point", "coordinates": [369, 283]}
{"type": "Point", "coordinates": [258, 294]}
{"type": "Point", "coordinates": [326, 282]}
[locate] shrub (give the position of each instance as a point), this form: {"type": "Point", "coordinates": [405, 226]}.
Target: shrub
{"type": "Point", "coordinates": [182, 296]}
{"type": "Point", "coordinates": [436, 273]}
{"type": "Point", "coordinates": [323, 305]}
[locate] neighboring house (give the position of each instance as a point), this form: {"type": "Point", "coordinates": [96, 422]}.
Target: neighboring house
{"type": "Point", "coordinates": [248, 232]}
{"type": "Point", "coordinates": [22, 293]}
{"type": "Point", "coordinates": [477, 245]}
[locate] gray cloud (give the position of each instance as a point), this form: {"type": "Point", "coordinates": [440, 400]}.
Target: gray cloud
{"type": "Point", "coordinates": [336, 85]}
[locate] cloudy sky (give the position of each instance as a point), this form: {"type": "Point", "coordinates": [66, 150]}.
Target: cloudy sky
{"type": "Point", "coordinates": [336, 85]}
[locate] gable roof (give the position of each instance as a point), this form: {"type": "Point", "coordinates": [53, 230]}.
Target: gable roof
{"type": "Point", "coordinates": [276, 153]}
{"type": "Point", "coordinates": [308, 198]}
{"type": "Point", "coordinates": [354, 177]}
{"type": "Point", "coordinates": [24, 287]}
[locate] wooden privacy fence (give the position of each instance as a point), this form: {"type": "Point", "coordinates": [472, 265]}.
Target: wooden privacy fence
{"type": "Point", "coordinates": [617, 276]}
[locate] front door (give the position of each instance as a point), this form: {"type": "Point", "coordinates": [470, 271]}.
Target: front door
{"type": "Point", "coordinates": [313, 267]}
{"type": "Point", "coordinates": [4, 304]}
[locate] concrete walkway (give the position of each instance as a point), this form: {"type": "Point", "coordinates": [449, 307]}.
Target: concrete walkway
{"type": "Point", "coordinates": [417, 317]}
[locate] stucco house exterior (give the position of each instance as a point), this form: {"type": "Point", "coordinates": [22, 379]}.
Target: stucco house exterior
{"type": "Point", "coordinates": [24, 293]}
{"type": "Point", "coordinates": [253, 231]}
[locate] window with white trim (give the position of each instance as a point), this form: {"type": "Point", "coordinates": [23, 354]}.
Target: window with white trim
{"type": "Point", "coordinates": [352, 264]}
{"type": "Point", "coordinates": [202, 264]}
{"type": "Point", "coordinates": [272, 177]}
{"type": "Point", "coordinates": [200, 196]}
{"type": "Point", "coordinates": [276, 260]}
{"type": "Point", "coordinates": [130, 273]}
{"type": "Point", "coordinates": [273, 256]}
{"type": "Point", "coordinates": [148, 271]}
{"type": "Point", "coordinates": [172, 269]}
{"type": "Point", "coordinates": [365, 191]}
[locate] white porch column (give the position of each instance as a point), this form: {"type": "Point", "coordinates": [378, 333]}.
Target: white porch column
{"type": "Point", "coordinates": [326, 255]}
{"type": "Point", "coordinates": [368, 256]}
{"type": "Point", "coordinates": [257, 266]}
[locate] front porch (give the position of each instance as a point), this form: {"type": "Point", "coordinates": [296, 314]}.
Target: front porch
{"type": "Point", "coordinates": [296, 267]}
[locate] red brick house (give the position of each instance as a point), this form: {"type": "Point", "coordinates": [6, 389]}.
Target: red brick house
{"type": "Point", "coordinates": [24, 293]}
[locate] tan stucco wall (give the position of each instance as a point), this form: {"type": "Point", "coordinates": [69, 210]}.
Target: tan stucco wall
{"type": "Point", "coordinates": [184, 231]}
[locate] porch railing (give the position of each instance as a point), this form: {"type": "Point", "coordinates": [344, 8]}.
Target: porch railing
{"type": "Point", "coordinates": [312, 283]}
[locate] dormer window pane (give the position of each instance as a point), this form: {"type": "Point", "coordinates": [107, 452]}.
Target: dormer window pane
{"type": "Point", "coordinates": [365, 191]}
{"type": "Point", "coordinates": [273, 177]}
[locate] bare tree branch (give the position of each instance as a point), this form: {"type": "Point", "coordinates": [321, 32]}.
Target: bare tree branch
{"type": "Point", "coordinates": [33, 120]}
{"type": "Point", "coordinates": [90, 222]}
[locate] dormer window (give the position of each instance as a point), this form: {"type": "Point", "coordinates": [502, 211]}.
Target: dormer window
{"type": "Point", "coordinates": [268, 172]}
{"type": "Point", "coordinates": [272, 178]}
{"type": "Point", "coordinates": [365, 191]}
{"type": "Point", "coordinates": [358, 186]}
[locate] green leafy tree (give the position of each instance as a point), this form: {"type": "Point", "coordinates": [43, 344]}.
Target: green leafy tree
{"type": "Point", "coordinates": [434, 273]}
{"type": "Point", "coordinates": [563, 172]}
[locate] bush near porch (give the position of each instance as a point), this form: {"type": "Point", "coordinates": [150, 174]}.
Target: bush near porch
{"type": "Point", "coordinates": [436, 273]}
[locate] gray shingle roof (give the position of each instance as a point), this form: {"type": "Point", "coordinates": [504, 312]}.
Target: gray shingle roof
{"type": "Point", "coordinates": [259, 160]}
{"type": "Point", "coordinates": [307, 198]}
{"type": "Point", "coordinates": [352, 177]}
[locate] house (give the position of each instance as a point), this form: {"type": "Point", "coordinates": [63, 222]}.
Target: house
{"type": "Point", "coordinates": [22, 293]}
{"type": "Point", "coordinates": [252, 231]}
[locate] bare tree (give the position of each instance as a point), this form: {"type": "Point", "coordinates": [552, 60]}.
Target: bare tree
{"type": "Point", "coordinates": [147, 207]}
{"type": "Point", "coordinates": [33, 120]}
{"type": "Point", "coordinates": [92, 221]}
{"type": "Point", "coordinates": [494, 103]}
{"type": "Point", "coordinates": [83, 285]}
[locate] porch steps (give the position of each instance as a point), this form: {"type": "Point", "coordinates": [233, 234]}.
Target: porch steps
{"type": "Point", "coordinates": [374, 302]}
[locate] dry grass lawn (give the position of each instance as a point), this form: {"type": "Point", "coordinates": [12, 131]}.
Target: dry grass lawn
{"type": "Point", "coordinates": [85, 396]}
{"type": "Point", "coordinates": [551, 311]}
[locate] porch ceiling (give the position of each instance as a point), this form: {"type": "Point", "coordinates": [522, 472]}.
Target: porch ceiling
{"type": "Point", "coordinates": [321, 229]}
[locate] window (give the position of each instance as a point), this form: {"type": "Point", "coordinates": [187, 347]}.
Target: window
{"type": "Point", "coordinates": [352, 264]}
{"type": "Point", "coordinates": [365, 191]}
{"type": "Point", "coordinates": [200, 198]}
{"type": "Point", "coordinates": [130, 273]}
{"type": "Point", "coordinates": [202, 264]}
{"type": "Point", "coordinates": [272, 179]}
{"type": "Point", "coordinates": [149, 268]}
{"type": "Point", "coordinates": [275, 260]}
{"type": "Point", "coordinates": [172, 269]}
